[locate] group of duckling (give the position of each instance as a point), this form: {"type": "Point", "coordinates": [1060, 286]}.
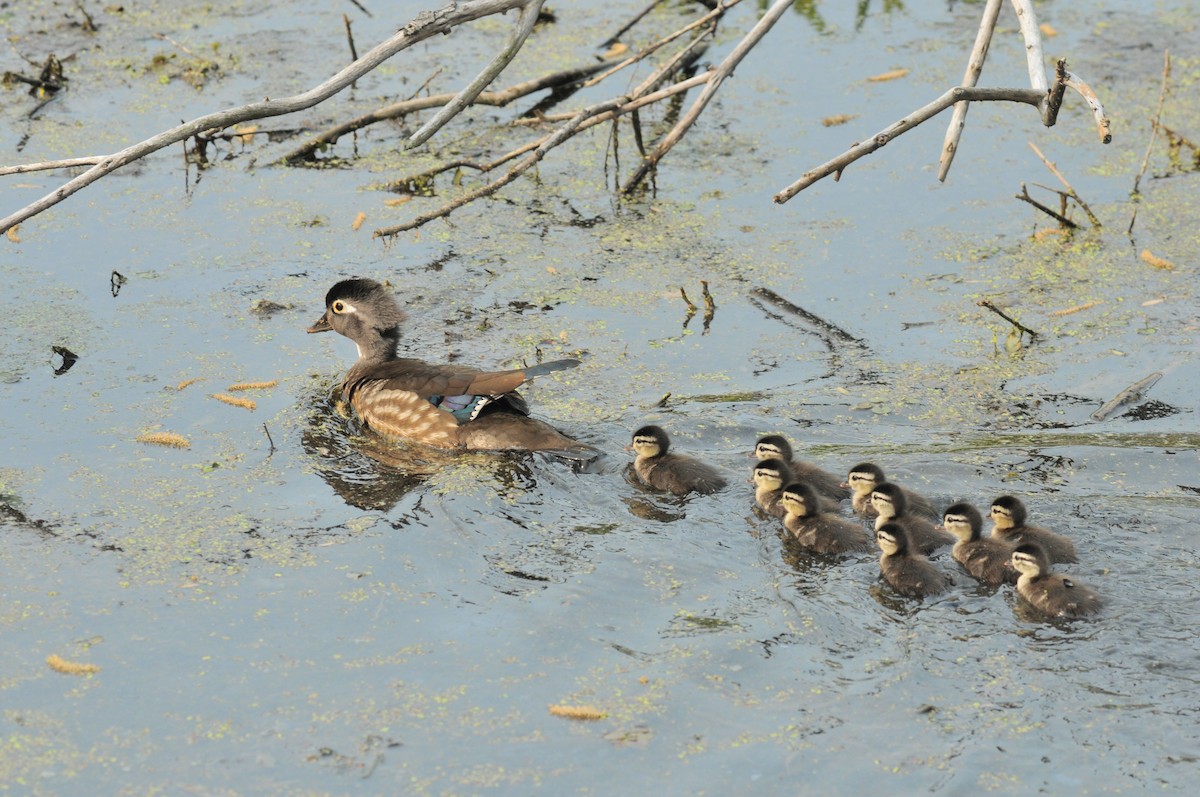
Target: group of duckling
{"type": "Point", "coordinates": [456, 407]}
{"type": "Point", "coordinates": [808, 500]}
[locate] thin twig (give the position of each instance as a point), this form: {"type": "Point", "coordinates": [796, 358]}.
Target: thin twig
{"type": "Point", "coordinates": [628, 107]}
{"type": "Point", "coordinates": [350, 41]}
{"type": "Point", "coordinates": [987, 304]}
{"type": "Point", "coordinates": [645, 52]}
{"type": "Point", "coordinates": [44, 165]}
{"type": "Point", "coordinates": [1070, 190]}
{"type": "Point", "coordinates": [690, 304]}
{"type": "Point", "coordinates": [269, 440]}
{"type": "Point", "coordinates": [724, 70]}
{"type": "Point", "coordinates": [525, 23]}
{"type": "Point", "coordinates": [362, 8]}
{"type": "Point", "coordinates": [496, 98]}
{"type": "Point", "coordinates": [1063, 220]}
{"type": "Point", "coordinates": [562, 134]}
{"type": "Point", "coordinates": [983, 39]}
{"type": "Point", "coordinates": [164, 37]}
{"type": "Point", "coordinates": [613, 39]}
{"type": "Point", "coordinates": [1162, 96]}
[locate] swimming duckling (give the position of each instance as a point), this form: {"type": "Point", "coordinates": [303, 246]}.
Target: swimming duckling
{"type": "Point", "coordinates": [862, 480]}
{"type": "Point", "coordinates": [891, 506]}
{"type": "Point", "coordinates": [822, 532]}
{"type": "Point", "coordinates": [825, 483]}
{"type": "Point", "coordinates": [987, 559]}
{"type": "Point", "coordinates": [674, 473]}
{"type": "Point", "coordinates": [770, 475]}
{"type": "Point", "coordinates": [1051, 594]}
{"type": "Point", "coordinates": [1008, 524]}
{"type": "Point", "coordinates": [905, 569]}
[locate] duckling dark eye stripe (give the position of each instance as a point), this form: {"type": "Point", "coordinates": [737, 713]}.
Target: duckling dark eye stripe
{"type": "Point", "coordinates": [644, 440]}
{"type": "Point", "coordinates": [955, 519]}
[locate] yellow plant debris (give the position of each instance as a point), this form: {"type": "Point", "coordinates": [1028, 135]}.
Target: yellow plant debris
{"type": "Point", "coordinates": [236, 401]}
{"type": "Point", "coordinates": [164, 439]}
{"type": "Point", "coordinates": [253, 385]}
{"type": "Point", "coordinates": [59, 664]}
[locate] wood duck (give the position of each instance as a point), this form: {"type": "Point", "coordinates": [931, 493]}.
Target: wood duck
{"type": "Point", "coordinates": [1008, 524]}
{"type": "Point", "coordinates": [905, 569]}
{"type": "Point", "coordinates": [987, 559]}
{"type": "Point", "coordinates": [862, 480]}
{"type": "Point", "coordinates": [674, 473]}
{"type": "Point", "coordinates": [891, 506]}
{"type": "Point", "coordinates": [776, 446]}
{"type": "Point", "coordinates": [1051, 594]}
{"type": "Point", "coordinates": [446, 406]}
{"type": "Point", "coordinates": [821, 532]}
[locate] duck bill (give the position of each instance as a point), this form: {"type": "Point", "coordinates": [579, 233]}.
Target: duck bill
{"type": "Point", "coordinates": [321, 325]}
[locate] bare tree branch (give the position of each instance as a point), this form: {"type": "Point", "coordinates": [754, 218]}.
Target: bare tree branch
{"type": "Point", "coordinates": [44, 165]}
{"type": "Point", "coordinates": [723, 71]}
{"type": "Point", "coordinates": [529, 15]}
{"type": "Point", "coordinates": [424, 26]}
{"type": "Point", "coordinates": [1070, 189]}
{"type": "Point", "coordinates": [1035, 61]}
{"type": "Point", "coordinates": [958, 121]}
{"type": "Point", "coordinates": [414, 104]}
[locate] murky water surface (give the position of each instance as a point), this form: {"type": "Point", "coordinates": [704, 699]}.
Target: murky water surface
{"type": "Point", "coordinates": [288, 607]}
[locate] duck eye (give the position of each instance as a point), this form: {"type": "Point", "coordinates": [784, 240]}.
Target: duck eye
{"type": "Point", "coordinates": [339, 306]}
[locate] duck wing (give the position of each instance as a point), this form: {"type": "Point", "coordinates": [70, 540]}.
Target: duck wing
{"type": "Point", "coordinates": [427, 380]}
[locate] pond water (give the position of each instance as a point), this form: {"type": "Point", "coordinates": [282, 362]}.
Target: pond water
{"type": "Point", "coordinates": [288, 607]}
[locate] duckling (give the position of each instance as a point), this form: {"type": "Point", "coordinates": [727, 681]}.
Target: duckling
{"type": "Point", "coordinates": [1051, 594]}
{"type": "Point", "coordinates": [824, 482]}
{"type": "Point", "coordinates": [770, 475]}
{"type": "Point", "coordinates": [1008, 524]}
{"type": "Point", "coordinates": [674, 473]}
{"type": "Point", "coordinates": [891, 506]}
{"type": "Point", "coordinates": [906, 570]}
{"type": "Point", "coordinates": [862, 480]}
{"type": "Point", "coordinates": [822, 532]}
{"type": "Point", "coordinates": [987, 559]}
{"type": "Point", "coordinates": [444, 406]}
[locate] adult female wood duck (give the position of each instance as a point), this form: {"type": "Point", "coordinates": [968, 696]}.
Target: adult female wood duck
{"type": "Point", "coordinates": [987, 559]}
{"type": "Point", "coordinates": [821, 532]}
{"type": "Point", "coordinates": [862, 480]}
{"type": "Point", "coordinates": [905, 569]}
{"type": "Point", "coordinates": [891, 505]}
{"type": "Point", "coordinates": [446, 406]}
{"type": "Point", "coordinates": [1051, 594]}
{"type": "Point", "coordinates": [776, 446]}
{"type": "Point", "coordinates": [1008, 524]}
{"type": "Point", "coordinates": [675, 473]}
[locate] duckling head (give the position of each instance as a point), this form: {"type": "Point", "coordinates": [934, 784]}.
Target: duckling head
{"type": "Point", "coordinates": [963, 521]}
{"type": "Point", "coordinates": [773, 446]}
{"type": "Point", "coordinates": [799, 499]}
{"type": "Point", "coordinates": [1008, 512]}
{"type": "Point", "coordinates": [1030, 560]}
{"type": "Point", "coordinates": [650, 441]}
{"type": "Point", "coordinates": [863, 478]}
{"type": "Point", "coordinates": [771, 474]}
{"type": "Point", "coordinates": [892, 539]}
{"type": "Point", "coordinates": [888, 500]}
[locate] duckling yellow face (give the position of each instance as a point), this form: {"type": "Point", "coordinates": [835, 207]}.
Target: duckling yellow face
{"type": "Point", "coordinates": [767, 450]}
{"type": "Point", "coordinates": [767, 478]}
{"type": "Point", "coordinates": [1026, 563]}
{"type": "Point", "coordinates": [861, 482]}
{"type": "Point", "coordinates": [958, 525]}
{"type": "Point", "coordinates": [883, 504]}
{"type": "Point", "coordinates": [1001, 516]}
{"type": "Point", "coordinates": [646, 446]}
{"type": "Point", "coordinates": [794, 503]}
{"type": "Point", "coordinates": [887, 542]}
